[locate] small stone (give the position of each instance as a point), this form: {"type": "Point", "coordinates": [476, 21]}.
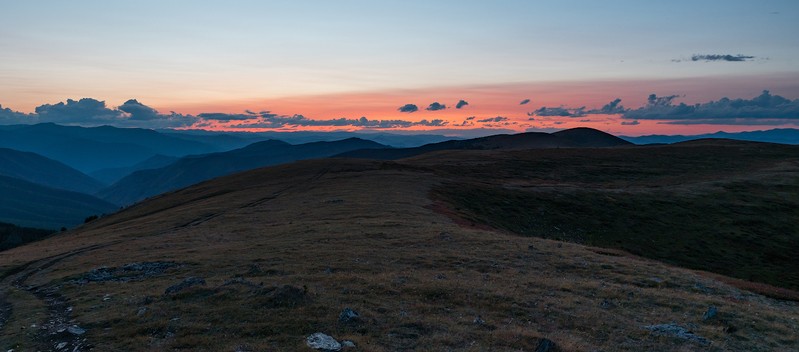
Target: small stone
{"type": "Point", "coordinates": [545, 345]}
{"type": "Point", "coordinates": [348, 344]}
{"type": "Point", "coordinates": [61, 345]}
{"type": "Point", "coordinates": [479, 321]}
{"type": "Point", "coordinates": [186, 283]}
{"type": "Point", "coordinates": [322, 342]}
{"type": "Point", "coordinates": [606, 304]}
{"type": "Point", "coordinates": [677, 331]}
{"type": "Point", "coordinates": [107, 297]}
{"type": "Point", "coordinates": [348, 316]}
{"type": "Point", "coordinates": [76, 330]}
{"type": "Point", "coordinates": [141, 311]}
{"type": "Point", "coordinates": [710, 314]}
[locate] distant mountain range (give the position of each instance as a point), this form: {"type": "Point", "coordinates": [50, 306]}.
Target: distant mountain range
{"type": "Point", "coordinates": [571, 138]}
{"type": "Point", "coordinates": [193, 169]}
{"type": "Point", "coordinates": [35, 168]}
{"type": "Point", "coordinates": [95, 148]}
{"type": "Point", "coordinates": [47, 185]}
{"type": "Point", "coordinates": [782, 135]}
{"type": "Point", "coordinates": [111, 175]}
{"type": "Point", "coordinates": [28, 204]}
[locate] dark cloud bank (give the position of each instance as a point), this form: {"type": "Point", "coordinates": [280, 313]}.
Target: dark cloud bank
{"type": "Point", "coordinates": [763, 109]}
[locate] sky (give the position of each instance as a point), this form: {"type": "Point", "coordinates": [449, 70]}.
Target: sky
{"type": "Point", "coordinates": [365, 65]}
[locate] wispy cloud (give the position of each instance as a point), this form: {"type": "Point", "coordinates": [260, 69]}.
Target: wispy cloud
{"type": "Point", "coordinates": [524, 102]}
{"type": "Point", "coordinates": [717, 57]}
{"type": "Point", "coordinates": [559, 111]}
{"type": "Point", "coordinates": [269, 120]}
{"type": "Point", "coordinates": [493, 119]}
{"type": "Point", "coordinates": [726, 57]}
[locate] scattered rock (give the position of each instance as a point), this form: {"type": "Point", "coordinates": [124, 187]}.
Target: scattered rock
{"type": "Point", "coordinates": [107, 297]}
{"type": "Point", "coordinates": [61, 345]}
{"type": "Point", "coordinates": [125, 273]}
{"type": "Point", "coordinates": [347, 344]}
{"type": "Point", "coordinates": [545, 345]}
{"type": "Point", "coordinates": [76, 330]}
{"type": "Point", "coordinates": [322, 342]}
{"type": "Point", "coordinates": [141, 311]}
{"type": "Point", "coordinates": [711, 313]}
{"type": "Point", "coordinates": [348, 316]}
{"type": "Point", "coordinates": [676, 331]}
{"type": "Point", "coordinates": [186, 283]}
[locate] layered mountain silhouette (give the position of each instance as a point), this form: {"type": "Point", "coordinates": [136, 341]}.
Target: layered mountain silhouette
{"type": "Point", "coordinates": [32, 205]}
{"type": "Point", "coordinates": [571, 138]}
{"type": "Point", "coordinates": [47, 172]}
{"type": "Point", "coordinates": [111, 175]}
{"type": "Point", "coordinates": [193, 169]}
{"type": "Point", "coordinates": [94, 148]}
{"type": "Point", "coordinates": [778, 135]}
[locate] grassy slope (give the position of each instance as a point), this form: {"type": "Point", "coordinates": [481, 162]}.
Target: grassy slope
{"type": "Point", "coordinates": [725, 209]}
{"type": "Point", "coordinates": [363, 234]}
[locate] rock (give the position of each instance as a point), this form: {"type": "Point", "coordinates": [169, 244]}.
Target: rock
{"type": "Point", "coordinates": [676, 331]}
{"type": "Point", "coordinates": [478, 320]}
{"type": "Point", "coordinates": [322, 342]}
{"type": "Point", "coordinates": [76, 330]}
{"type": "Point", "coordinates": [141, 311]}
{"type": "Point", "coordinates": [188, 282]}
{"type": "Point", "coordinates": [545, 345]}
{"type": "Point", "coordinates": [61, 345]}
{"type": "Point", "coordinates": [347, 344]}
{"type": "Point", "coordinates": [348, 316]}
{"type": "Point", "coordinates": [711, 313]}
{"type": "Point", "coordinates": [606, 304]}
{"type": "Point", "coordinates": [125, 273]}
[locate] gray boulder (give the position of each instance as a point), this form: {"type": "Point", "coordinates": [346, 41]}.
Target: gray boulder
{"type": "Point", "coordinates": [323, 342]}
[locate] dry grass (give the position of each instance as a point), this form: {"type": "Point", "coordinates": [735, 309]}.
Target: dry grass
{"type": "Point", "coordinates": [362, 234]}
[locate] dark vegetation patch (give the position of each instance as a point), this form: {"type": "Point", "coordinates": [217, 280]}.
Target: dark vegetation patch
{"type": "Point", "coordinates": [731, 211]}
{"type": "Point", "coordinates": [13, 236]}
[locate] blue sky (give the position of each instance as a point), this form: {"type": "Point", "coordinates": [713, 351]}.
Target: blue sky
{"type": "Point", "coordinates": [178, 53]}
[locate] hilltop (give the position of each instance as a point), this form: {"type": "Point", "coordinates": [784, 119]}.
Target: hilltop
{"type": "Point", "coordinates": [427, 253]}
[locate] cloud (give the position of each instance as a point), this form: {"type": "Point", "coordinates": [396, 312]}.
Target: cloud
{"type": "Point", "coordinates": [630, 123]}
{"type": "Point", "coordinates": [461, 104]}
{"type": "Point", "coordinates": [470, 118]}
{"type": "Point", "coordinates": [268, 120]}
{"type": "Point", "coordinates": [218, 116]}
{"type": "Point", "coordinates": [85, 110]}
{"type": "Point", "coordinates": [559, 111]}
{"type": "Point", "coordinates": [727, 57]}
{"type": "Point", "coordinates": [612, 108]}
{"type": "Point", "coordinates": [409, 108]}
{"type": "Point", "coordinates": [494, 119]}
{"type": "Point", "coordinates": [436, 106]}
{"type": "Point", "coordinates": [138, 111]}
{"type": "Point", "coordinates": [525, 101]}
{"type": "Point", "coordinates": [11, 117]}
{"type": "Point", "coordinates": [762, 108]}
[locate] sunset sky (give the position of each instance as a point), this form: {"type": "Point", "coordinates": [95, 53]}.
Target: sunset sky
{"type": "Point", "coordinates": [323, 65]}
